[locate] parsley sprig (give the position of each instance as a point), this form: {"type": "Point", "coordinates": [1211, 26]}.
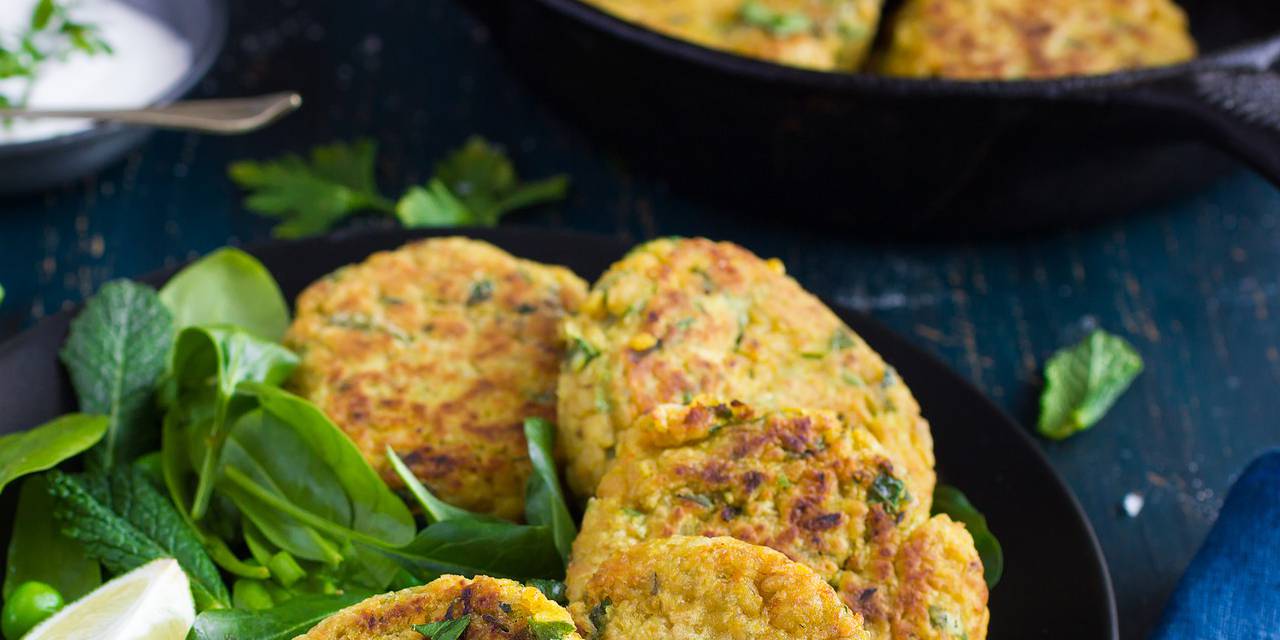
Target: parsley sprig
{"type": "Point", "coordinates": [52, 33]}
{"type": "Point", "coordinates": [474, 186]}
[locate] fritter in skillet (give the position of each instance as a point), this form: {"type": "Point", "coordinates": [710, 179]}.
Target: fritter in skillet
{"type": "Point", "coordinates": [1012, 39]}
{"type": "Point", "coordinates": [817, 34]}
{"type": "Point", "coordinates": [692, 588]}
{"type": "Point", "coordinates": [810, 484]}
{"type": "Point", "coordinates": [439, 349]}
{"type": "Point", "coordinates": [495, 609]}
{"type": "Point", "coordinates": [680, 318]}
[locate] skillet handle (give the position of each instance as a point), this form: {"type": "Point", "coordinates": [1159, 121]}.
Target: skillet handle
{"type": "Point", "coordinates": [1236, 108]}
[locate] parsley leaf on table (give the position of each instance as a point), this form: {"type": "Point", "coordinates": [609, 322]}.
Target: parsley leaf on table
{"type": "Point", "coordinates": [483, 179]}
{"type": "Point", "coordinates": [310, 195]}
{"type": "Point", "coordinates": [1084, 381]}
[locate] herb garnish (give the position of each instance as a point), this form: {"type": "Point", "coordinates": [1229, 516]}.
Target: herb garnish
{"type": "Point", "coordinates": [1083, 382]}
{"type": "Point", "coordinates": [444, 629]}
{"type": "Point", "coordinates": [779, 23]}
{"type": "Point", "coordinates": [598, 616]}
{"type": "Point", "coordinates": [950, 500]}
{"type": "Point", "coordinates": [51, 34]}
{"type": "Point", "coordinates": [888, 491]}
{"type": "Point", "coordinates": [550, 629]}
{"type": "Point", "coordinates": [475, 185]}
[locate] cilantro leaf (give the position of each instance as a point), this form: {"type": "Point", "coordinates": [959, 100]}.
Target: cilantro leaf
{"type": "Point", "coordinates": [115, 353]}
{"type": "Point", "coordinates": [445, 629]}
{"type": "Point", "coordinates": [951, 501]}
{"type": "Point", "coordinates": [1083, 382]}
{"type": "Point", "coordinates": [125, 522]}
{"type": "Point", "coordinates": [311, 195]}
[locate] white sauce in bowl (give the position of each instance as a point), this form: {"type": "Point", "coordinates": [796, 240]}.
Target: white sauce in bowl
{"type": "Point", "coordinates": [148, 59]}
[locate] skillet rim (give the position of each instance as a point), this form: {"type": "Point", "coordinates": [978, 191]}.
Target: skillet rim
{"type": "Point", "coordinates": [743, 67]}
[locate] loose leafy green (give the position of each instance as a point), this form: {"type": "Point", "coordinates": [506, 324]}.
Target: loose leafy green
{"type": "Point", "coordinates": [445, 629]}
{"type": "Point", "coordinates": [48, 445]}
{"type": "Point", "coordinates": [39, 551]}
{"type": "Point", "coordinates": [207, 365]}
{"type": "Point", "coordinates": [324, 476]}
{"type": "Point", "coordinates": [779, 23]}
{"type": "Point", "coordinates": [125, 523]}
{"type": "Point", "coordinates": [228, 287]}
{"type": "Point", "coordinates": [435, 509]}
{"type": "Point", "coordinates": [474, 547]}
{"type": "Point", "coordinates": [311, 195]}
{"type": "Point", "coordinates": [950, 500]}
{"type": "Point", "coordinates": [1083, 382]}
{"type": "Point", "coordinates": [554, 590]}
{"type": "Point", "coordinates": [282, 622]}
{"type": "Point", "coordinates": [888, 491]}
{"type": "Point", "coordinates": [1, 293]}
{"type": "Point", "coordinates": [550, 629]}
{"type": "Point", "coordinates": [544, 499]}
{"type": "Point", "coordinates": [475, 185]}
{"type": "Point", "coordinates": [115, 352]}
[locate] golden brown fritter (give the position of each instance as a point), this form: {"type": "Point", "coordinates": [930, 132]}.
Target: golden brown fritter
{"type": "Point", "coordinates": [692, 588]}
{"type": "Point", "coordinates": [439, 349]}
{"type": "Point", "coordinates": [810, 484]}
{"type": "Point", "coordinates": [1010, 39]}
{"type": "Point", "coordinates": [496, 609]}
{"type": "Point", "coordinates": [681, 318]}
{"type": "Point", "coordinates": [817, 34]}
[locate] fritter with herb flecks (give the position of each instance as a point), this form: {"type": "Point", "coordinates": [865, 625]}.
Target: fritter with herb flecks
{"type": "Point", "coordinates": [486, 608]}
{"type": "Point", "coordinates": [439, 349]}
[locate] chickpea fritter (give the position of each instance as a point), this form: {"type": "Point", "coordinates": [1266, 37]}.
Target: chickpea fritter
{"type": "Point", "coordinates": [810, 484]}
{"type": "Point", "coordinates": [495, 609]}
{"type": "Point", "coordinates": [1013, 39]}
{"type": "Point", "coordinates": [687, 588]}
{"type": "Point", "coordinates": [682, 318]}
{"type": "Point", "coordinates": [815, 34]}
{"type": "Point", "coordinates": [439, 349]}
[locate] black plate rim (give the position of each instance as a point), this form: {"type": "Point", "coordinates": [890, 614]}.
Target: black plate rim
{"type": "Point", "coordinates": [860, 82]}
{"type": "Point", "coordinates": [215, 39]}
{"type": "Point", "coordinates": [393, 237]}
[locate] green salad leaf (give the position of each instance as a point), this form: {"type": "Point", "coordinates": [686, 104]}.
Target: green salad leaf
{"type": "Point", "coordinates": [39, 551]}
{"type": "Point", "coordinates": [952, 502]}
{"type": "Point", "coordinates": [470, 547]}
{"type": "Point", "coordinates": [435, 509]}
{"type": "Point", "coordinates": [207, 365]}
{"type": "Point", "coordinates": [311, 195]}
{"type": "Point", "coordinates": [48, 445]}
{"type": "Point", "coordinates": [1083, 382]}
{"type": "Point", "coordinates": [444, 629]}
{"type": "Point", "coordinates": [1, 294]}
{"type": "Point", "coordinates": [281, 622]}
{"type": "Point", "coordinates": [228, 287]}
{"type": "Point", "coordinates": [544, 499]}
{"type": "Point", "coordinates": [125, 523]}
{"type": "Point", "coordinates": [554, 590]}
{"type": "Point", "coordinates": [115, 352]}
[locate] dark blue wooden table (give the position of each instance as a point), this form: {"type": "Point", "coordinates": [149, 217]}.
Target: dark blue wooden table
{"type": "Point", "coordinates": [1195, 285]}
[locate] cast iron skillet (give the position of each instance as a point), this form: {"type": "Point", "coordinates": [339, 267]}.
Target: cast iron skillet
{"type": "Point", "coordinates": [901, 154]}
{"type": "Point", "coordinates": [1055, 583]}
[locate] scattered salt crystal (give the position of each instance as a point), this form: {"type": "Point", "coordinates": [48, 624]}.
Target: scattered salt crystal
{"type": "Point", "coordinates": [1133, 504]}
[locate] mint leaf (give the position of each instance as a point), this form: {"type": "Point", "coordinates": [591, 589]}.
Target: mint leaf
{"type": "Point", "coordinates": [952, 502]}
{"type": "Point", "coordinates": [1083, 382]}
{"type": "Point", "coordinates": [115, 353]}
{"type": "Point", "coordinates": [445, 629]}
{"type": "Point", "coordinates": [48, 445]}
{"type": "Point", "coordinates": [125, 522]}
{"type": "Point", "coordinates": [311, 195]}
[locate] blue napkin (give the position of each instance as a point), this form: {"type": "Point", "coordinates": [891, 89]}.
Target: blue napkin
{"type": "Point", "coordinates": [1232, 589]}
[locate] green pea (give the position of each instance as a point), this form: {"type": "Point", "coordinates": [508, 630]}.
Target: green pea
{"type": "Point", "coordinates": [27, 607]}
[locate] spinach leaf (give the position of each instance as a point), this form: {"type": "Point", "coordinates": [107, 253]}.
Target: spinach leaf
{"type": "Point", "coordinates": [115, 352]}
{"type": "Point", "coordinates": [47, 445]}
{"type": "Point", "coordinates": [444, 629]}
{"type": "Point", "coordinates": [544, 499]}
{"type": "Point", "coordinates": [554, 590]}
{"type": "Point", "coordinates": [950, 500]}
{"type": "Point", "coordinates": [39, 551]}
{"type": "Point", "coordinates": [228, 287]}
{"type": "Point", "coordinates": [125, 523]}
{"type": "Point", "coordinates": [207, 365]}
{"type": "Point", "coordinates": [282, 622]}
{"type": "Point", "coordinates": [1083, 382]}
{"type": "Point", "coordinates": [324, 483]}
{"type": "Point", "coordinates": [435, 509]}
{"type": "Point", "coordinates": [473, 547]}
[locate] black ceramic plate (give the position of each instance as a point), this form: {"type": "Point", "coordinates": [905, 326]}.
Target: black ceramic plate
{"type": "Point", "coordinates": [1055, 582]}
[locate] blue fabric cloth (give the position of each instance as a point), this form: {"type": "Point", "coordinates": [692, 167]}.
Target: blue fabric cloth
{"type": "Point", "coordinates": [1232, 589]}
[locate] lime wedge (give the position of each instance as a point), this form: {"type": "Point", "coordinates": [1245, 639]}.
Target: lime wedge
{"type": "Point", "coordinates": [152, 602]}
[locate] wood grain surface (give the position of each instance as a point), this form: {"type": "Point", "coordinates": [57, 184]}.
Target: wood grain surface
{"type": "Point", "coordinates": [1194, 285]}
